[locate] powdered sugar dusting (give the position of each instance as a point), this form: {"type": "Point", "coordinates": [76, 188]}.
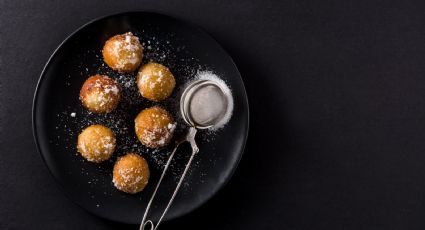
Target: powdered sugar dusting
{"type": "Point", "coordinates": [168, 51]}
{"type": "Point", "coordinates": [127, 49]}
{"type": "Point", "coordinates": [212, 104]}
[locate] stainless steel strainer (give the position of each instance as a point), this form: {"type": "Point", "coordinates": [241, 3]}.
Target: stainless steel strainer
{"type": "Point", "coordinates": [203, 104]}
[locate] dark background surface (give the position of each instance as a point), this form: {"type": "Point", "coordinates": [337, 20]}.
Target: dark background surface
{"type": "Point", "coordinates": [337, 100]}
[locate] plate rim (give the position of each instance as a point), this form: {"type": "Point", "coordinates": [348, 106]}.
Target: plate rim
{"type": "Point", "coordinates": [68, 37]}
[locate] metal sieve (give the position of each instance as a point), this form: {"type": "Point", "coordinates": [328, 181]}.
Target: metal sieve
{"type": "Point", "coordinates": [203, 104]}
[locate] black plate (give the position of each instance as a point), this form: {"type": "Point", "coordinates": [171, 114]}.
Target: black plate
{"type": "Point", "coordinates": [182, 47]}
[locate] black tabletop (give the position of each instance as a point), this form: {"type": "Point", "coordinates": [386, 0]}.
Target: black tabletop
{"type": "Point", "coordinates": [337, 102]}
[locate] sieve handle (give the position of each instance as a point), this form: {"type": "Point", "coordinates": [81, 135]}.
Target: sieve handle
{"type": "Point", "coordinates": [190, 137]}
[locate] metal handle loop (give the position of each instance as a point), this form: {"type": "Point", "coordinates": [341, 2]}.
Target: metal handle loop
{"type": "Point", "coordinates": [190, 137]}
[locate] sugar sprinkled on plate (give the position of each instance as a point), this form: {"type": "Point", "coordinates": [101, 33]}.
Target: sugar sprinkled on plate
{"type": "Point", "coordinates": [121, 121]}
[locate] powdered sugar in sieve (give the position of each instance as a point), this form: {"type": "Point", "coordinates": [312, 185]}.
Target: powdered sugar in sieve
{"type": "Point", "coordinates": [207, 102]}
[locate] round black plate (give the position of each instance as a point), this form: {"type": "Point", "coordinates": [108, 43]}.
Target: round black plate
{"type": "Point", "coordinates": [58, 116]}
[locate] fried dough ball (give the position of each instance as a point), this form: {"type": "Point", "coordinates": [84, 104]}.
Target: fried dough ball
{"type": "Point", "coordinates": [131, 173]}
{"type": "Point", "coordinates": [96, 143]}
{"type": "Point", "coordinates": [100, 94]}
{"type": "Point", "coordinates": [155, 81]}
{"type": "Point", "coordinates": [123, 52]}
{"type": "Point", "coordinates": [154, 127]}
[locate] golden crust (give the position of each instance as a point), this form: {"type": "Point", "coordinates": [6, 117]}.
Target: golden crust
{"type": "Point", "coordinates": [131, 173]}
{"type": "Point", "coordinates": [123, 52]}
{"type": "Point", "coordinates": [154, 127]}
{"type": "Point", "coordinates": [96, 143]}
{"type": "Point", "coordinates": [100, 94]}
{"type": "Point", "coordinates": [155, 81]}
